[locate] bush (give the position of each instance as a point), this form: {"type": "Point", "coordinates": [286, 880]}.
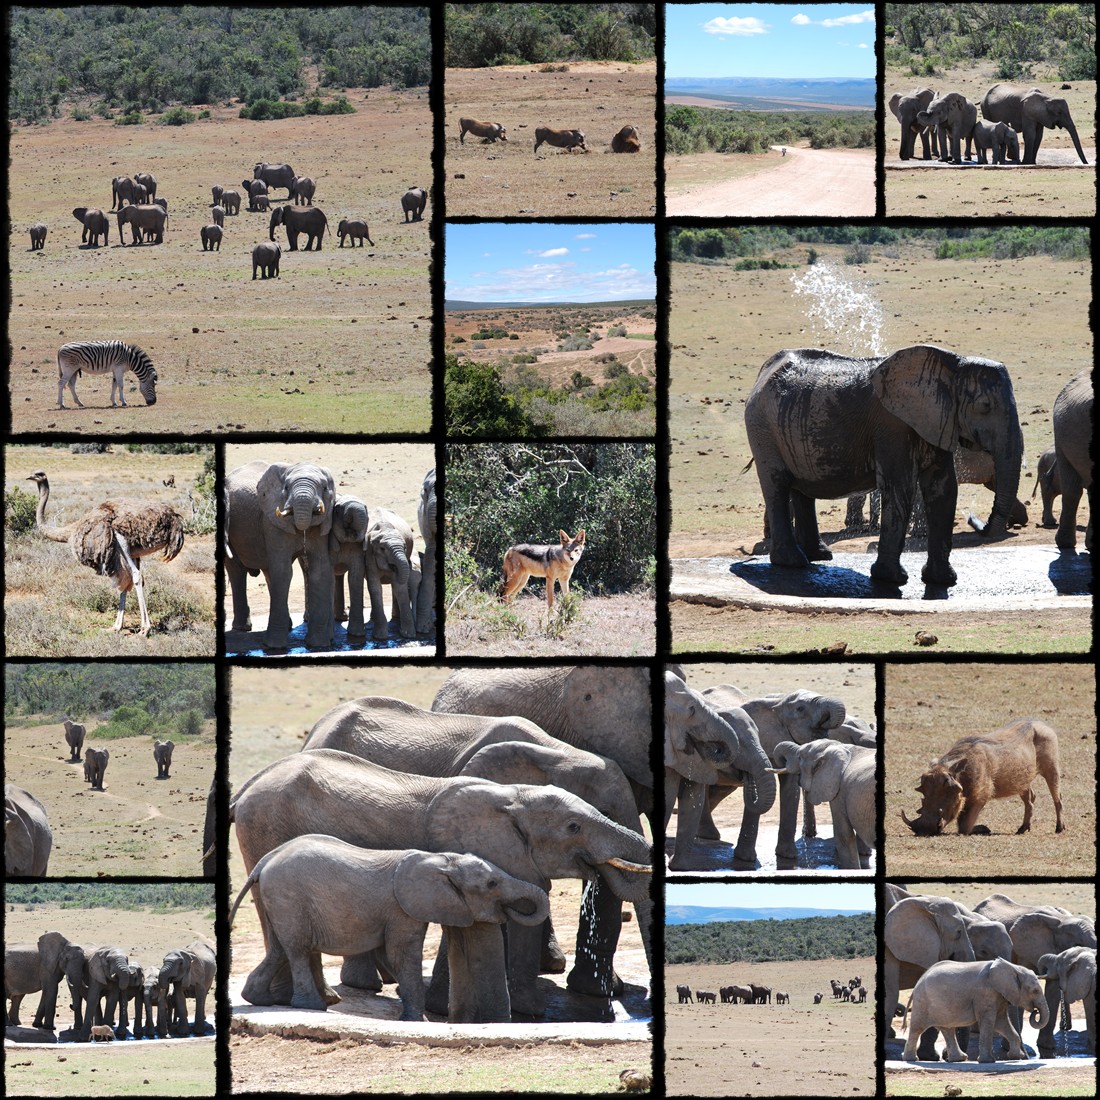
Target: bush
{"type": "Point", "coordinates": [617, 330]}
{"type": "Point", "coordinates": [19, 510]}
{"type": "Point", "coordinates": [263, 110]}
{"type": "Point", "coordinates": [580, 381]}
{"type": "Point", "coordinates": [190, 723]}
{"type": "Point", "coordinates": [477, 404]}
{"type": "Point", "coordinates": [858, 254]}
{"type": "Point", "coordinates": [177, 116]}
{"type": "Point", "coordinates": [81, 114]}
{"type": "Point", "coordinates": [131, 118]}
{"type": "Point", "coordinates": [575, 343]}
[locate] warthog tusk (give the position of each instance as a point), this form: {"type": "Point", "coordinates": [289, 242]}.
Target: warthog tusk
{"type": "Point", "coordinates": [626, 865]}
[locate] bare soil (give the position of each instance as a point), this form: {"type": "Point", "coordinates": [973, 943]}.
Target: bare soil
{"type": "Point", "coordinates": [339, 343]}
{"type": "Point", "coordinates": [505, 179]}
{"type": "Point", "coordinates": [138, 825]}
{"type": "Point", "coordinates": [800, 1049]}
{"type": "Point", "coordinates": [724, 324]}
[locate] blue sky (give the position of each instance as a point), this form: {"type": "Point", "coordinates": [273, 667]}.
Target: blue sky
{"type": "Point", "coordinates": [766, 895]}
{"type": "Point", "coordinates": [536, 262]}
{"type": "Point", "coordinates": [777, 40]}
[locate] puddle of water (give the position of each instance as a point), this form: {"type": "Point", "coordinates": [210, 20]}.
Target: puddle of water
{"type": "Point", "coordinates": [239, 644]}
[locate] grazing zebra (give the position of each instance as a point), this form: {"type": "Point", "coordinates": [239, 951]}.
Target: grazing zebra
{"type": "Point", "coordinates": [100, 356]}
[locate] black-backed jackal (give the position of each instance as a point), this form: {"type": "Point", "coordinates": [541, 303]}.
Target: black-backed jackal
{"type": "Point", "coordinates": [555, 563]}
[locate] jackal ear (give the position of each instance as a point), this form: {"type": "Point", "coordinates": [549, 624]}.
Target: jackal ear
{"type": "Point", "coordinates": [580, 535]}
{"type": "Point", "coordinates": [565, 539]}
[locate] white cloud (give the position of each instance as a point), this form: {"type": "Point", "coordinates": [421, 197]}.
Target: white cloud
{"type": "Point", "coordinates": [555, 282]}
{"type": "Point", "coordinates": [585, 237]}
{"type": "Point", "coordinates": [863, 46]}
{"type": "Point", "coordinates": [868, 16]}
{"type": "Point", "coordinates": [742, 28]}
{"type": "Point", "coordinates": [801, 20]}
{"type": "Point", "coordinates": [553, 252]}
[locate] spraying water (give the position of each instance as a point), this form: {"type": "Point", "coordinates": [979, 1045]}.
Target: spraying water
{"type": "Point", "coordinates": [846, 316]}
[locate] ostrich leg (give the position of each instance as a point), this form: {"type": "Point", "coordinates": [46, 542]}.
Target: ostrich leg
{"type": "Point", "coordinates": [137, 582]}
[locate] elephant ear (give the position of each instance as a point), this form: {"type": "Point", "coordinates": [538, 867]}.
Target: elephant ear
{"type": "Point", "coordinates": [917, 385]}
{"type": "Point", "coordinates": [607, 707]}
{"type": "Point", "coordinates": [427, 889]}
{"type": "Point", "coordinates": [514, 762]}
{"type": "Point", "coordinates": [895, 100]}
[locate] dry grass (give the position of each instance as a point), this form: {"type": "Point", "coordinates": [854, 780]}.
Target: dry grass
{"type": "Point", "coordinates": [339, 343]}
{"type": "Point", "coordinates": [930, 706]}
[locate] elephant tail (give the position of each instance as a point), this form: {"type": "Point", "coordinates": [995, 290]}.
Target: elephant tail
{"type": "Point", "coordinates": [904, 1015]}
{"type": "Point", "coordinates": [249, 882]}
{"type": "Point", "coordinates": [748, 465]}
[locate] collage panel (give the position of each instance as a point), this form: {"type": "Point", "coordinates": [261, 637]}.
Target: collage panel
{"type": "Point", "coordinates": [770, 989]}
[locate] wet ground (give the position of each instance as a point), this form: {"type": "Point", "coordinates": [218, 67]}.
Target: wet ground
{"type": "Point", "coordinates": [240, 643]}
{"type": "Point", "coordinates": [1047, 158]}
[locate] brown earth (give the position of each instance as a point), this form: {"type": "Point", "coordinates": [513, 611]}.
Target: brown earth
{"type": "Point", "coordinates": [504, 178]}
{"type": "Point", "coordinates": [340, 343]}
{"type": "Point", "coordinates": [724, 324]}
{"type": "Point", "coordinates": [800, 1049]}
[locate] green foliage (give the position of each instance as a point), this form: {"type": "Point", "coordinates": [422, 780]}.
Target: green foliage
{"type": "Point", "coordinates": [702, 129]}
{"type": "Point", "coordinates": [508, 493]}
{"type": "Point", "coordinates": [190, 723]}
{"type": "Point", "coordinates": [757, 941]}
{"type": "Point", "coordinates": [616, 330]}
{"type": "Point", "coordinates": [580, 381]}
{"type": "Point", "coordinates": [19, 510]}
{"type": "Point", "coordinates": [264, 110]}
{"type": "Point", "coordinates": [339, 106]}
{"type": "Point", "coordinates": [130, 118]}
{"type": "Point", "coordinates": [157, 896]}
{"type": "Point", "coordinates": [477, 404]}
{"type": "Point", "coordinates": [130, 720]}
{"type": "Point", "coordinates": [858, 254]}
{"type": "Point", "coordinates": [177, 116]}
{"type": "Point", "coordinates": [490, 333]}
{"type": "Point", "coordinates": [80, 114]}
{"type": "Point", "coordinates": [575, 342]}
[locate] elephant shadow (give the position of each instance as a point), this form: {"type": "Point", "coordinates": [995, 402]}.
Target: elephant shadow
{"type": "Point", "coordinates": [250, 644]}
{"type": "Point", "coordinates": [814, 582]}
{"type": "Point", "coordinates": [1071, 573]}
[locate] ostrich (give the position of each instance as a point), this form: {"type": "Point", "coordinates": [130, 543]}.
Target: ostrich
{"type": "Point", "coordinates": [113, 538]}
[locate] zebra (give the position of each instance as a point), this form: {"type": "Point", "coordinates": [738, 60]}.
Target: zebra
{"type": "Point", "coordinates": [98, 357]}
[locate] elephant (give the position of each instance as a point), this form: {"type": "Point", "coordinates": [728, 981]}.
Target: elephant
{"type": "Point", "coordinates": [95, 766]}
{"type": "Point", "coordinates": [210, 833]}
{"type": "Point", "coordinates": [323, 894]}
{"type": "Point", "coordinates": [231, 202]}
{"type": "Point", "coordinates": [782, 998]}
{"type": "Point", "coordinates": [761, 994]}
{"type": "Point", "coordinates": [141, 195]}
{"type": "Point", "coordinates": [107, 972]}
{"type": "Point", "coordinates": [149, 220]}
{"type": "Point", "coordinates": [703, 749]}
{"type": "Point", "coordinates": [276, 175]}
{"type": "Point", "coordinates": [122, 190]}
{"type": "Point", "coordinates": [959, 994]}
{"type": "Point", "coordinates": [843, 776]}
{"type": "Point", "coordinates": [190, 971]}
{"type": "Point", "coordinates": [261, 203]}
{"type": "Point", "coordinates": [683, 992]}
{"type": "Point", "coordinates": [38, 236]}
{"type": "Point", "coordinates": [162, 203]}
{"type": "Point", "coordinates": [148, 998]}
{"type": "Point", "coordinates": [162, 754]}
{"type": "Point", "coordinates": [265, 258]}
{"type": "Point", "coordinates": [413, 202]}
{"type": "Point", "coordinates": [254, 189]}
{"type": "Point", "coordinates": [1048, 484]}
{"type": "Point", "coordinates": [217, 215]}
{"type": "Point", "coordinates": [1071, 976]}
{"type": "Point", "coordinates": [954, 117]}
{"type": "Point", "coordinates": [302, 189]}
{"type": "Point", "coordinates": [216, 193]}
{"type": "Point", "coordinates": [822, 424]}
{"type": "Point", "coordinates": [356, 229]}
{"type": "Point", "coordinates": [211, 237]}
{"type": "Point", "coordinates": [426, 521]}
{"type": "Point", "coordinates": [818, 997]}
{"type": "Point", "coordinates": [837, 988]}
{"type": "Point", "coordinates": [1072, 435]}
{"type": "Point", "coordinates": [311, 221]}
{"type": "Point", "coordinates": [27, 834]}
{"type": "Point", "coordinates": [535, 833]}
{"type": "Point", "coordinates": [278, 513]}
{"type": "Point", "coordinates": [96, 224]}
{"type": "Point", "coordinates": [30, 967]}
{"type": "Point", "coordinates": [347, 548]}
{"type": "Point", "coordinates": [704, 997]}
{"type": "Point", "coordinates": [905, 109]}
{"type": "Point", "coordinates": [862, 994]}
{"type": "Point", "coordinates": [741, 994]}
{"type": "Point", "coordinates": [389, 545]}
{"type": "Point", "coordinates": [997, 138]}
{"type": "Point", "coordinates": [75, 732]}
{"type": "Point", "coordinates": [149, 182]}
{"type": "Point", "coordinates": [1029, 111]}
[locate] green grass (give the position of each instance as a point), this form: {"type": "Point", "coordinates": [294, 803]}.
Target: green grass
{"type": "Point", "coordinates": [1019, 1083]}
{"type": "Point", "coordinates": [565, 1077]}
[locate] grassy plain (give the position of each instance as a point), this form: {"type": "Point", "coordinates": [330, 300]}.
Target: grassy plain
{"type": "Point", "coordinates": [507, 179]}
{"type": "Point", "coordinates": [339, 343]}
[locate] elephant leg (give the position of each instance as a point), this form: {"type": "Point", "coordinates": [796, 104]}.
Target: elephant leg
{"type": "Point", "coordinates": [304, 967]}
{"type": "Point", "coordinates": [319, 582]}
{"type": "Point", "coordinates": [807, 535]}
{"type": "Point", "coordinates": [847, 856]}
{"type": "Point", "coordinates": [785, 549]}
{"type": "Point", "coordinates": [13, 1011]}
{"type": "Point", "coordinates": [361, 972]}
{"type": "Point", "coordinates": [690, 801]}
{"type": "Point", "coordinates": [199, 1026]}
{"type": "Point", "coordinates": [940, 491]}
{"type": "Point", "coordinates": [601, 921]}
{"type": "Point", "coordinates": [1045, 1040]}
{"type": "Point", "coordinates": [238, 585]}
{"type": "Point", "coordinates": [897, 504]}
{"type": "Point", "coordinates": [339, 614]}
{"type": "Point", "coordinates": [953, 1053]}
{"type": "Point", "coordinates": [278, 574]}
{"type": "Point", "coordinates": [425, 597]}
{"type": "Point", "coordinates": [405, 956]}
{"type": "Point", "coordinates": [1003, 1026]}
{"type": "Point", "coordinates": [786, 855]}
{"type": "Point", "coordinates": [551, 958]}
{"type": "Point", "coordinates": [891, 979]}
{"type": "Point", "coordinates": [715, 796]}
{"type": "Point", "coordinates": [356, 626]}
{"type": "Point", "coordinates": [926, 1046]}
{"type": "Point", "coordinates": [1072, 488]}
{"type": "Point", "coordinates": [257, 988]}
{"type": "Point", "coordinates": [380, 627]}
{"type": "Point", "coordinates": [479, 979]}
{"type": "Point", "coordinates": [524, 943]}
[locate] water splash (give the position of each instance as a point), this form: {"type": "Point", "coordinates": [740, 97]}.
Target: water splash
{"type": "Point", "coordinates": [845, 315]}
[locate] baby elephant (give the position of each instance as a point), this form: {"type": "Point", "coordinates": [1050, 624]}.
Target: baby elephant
{"type": "Point", "coordinates": [211, 237]}
{"type": "Point", "coordinates": [318, 894]}
{"type": "Point", "coordinates": [996, 138]}
{"type": "Point", "coordinates": [977, 769]}
{"type": "Point", "coordinates": [356, 229]}
{"type": "Point", "coordinates": [162, 754]}
{"type": "Point", "coordinates": [265, 257]}
{"type": "Point", "coordinates": [38, 236]}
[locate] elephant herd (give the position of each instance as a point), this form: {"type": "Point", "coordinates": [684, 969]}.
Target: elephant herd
{"type": "Point", "coordinates": [719, 739]}
{"type": "Point", "coordinates": [392, 817]}
{"type": "Point", "coordinates": [982, 968]}
{"type": "Point", "coordinates": [1010, 113]}
{"type": "Point", "coordinates": [281, 513]}
{"type": "Point", "coordinates": [626, 140]}
{"type": "Point", "coordinates": [103, 981]}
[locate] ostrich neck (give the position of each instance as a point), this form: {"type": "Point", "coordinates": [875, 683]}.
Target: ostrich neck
{"type": "Point", "coordinates": [55, 534]}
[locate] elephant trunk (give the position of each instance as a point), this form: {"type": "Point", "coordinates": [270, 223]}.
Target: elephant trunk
{"type": "Point", "coordinates": [1040, 1014]}
{"type": "Point", "coordinates": [833, 712]}
{"type": "Point", "coordinates": [1006, 477]}
{"type": "Point", "coordinates": [527, 904]}
{"type": "Point", "coordinates": [1072, 130]}
{"type": "Point", "coordinates": [760, 786]}
{"type": "Point", "coordinates": [301, 501]}
{"type": "Point", "coordinates": [629, 871]}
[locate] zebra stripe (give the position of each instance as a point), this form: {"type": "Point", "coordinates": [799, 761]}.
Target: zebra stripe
{"type": "Point", "coordinates": [101, 357]}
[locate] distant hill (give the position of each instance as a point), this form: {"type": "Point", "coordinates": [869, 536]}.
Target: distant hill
{"type": "Point", "coordinates": [776, 93]}
{"type": "Point", "coordinates": [700, 914]}
{"type": "Point", "coordinates": [633, 303]}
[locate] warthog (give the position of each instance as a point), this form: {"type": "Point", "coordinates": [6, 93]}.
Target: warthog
{"type": "Point", "coordinates": [102, 1033]}
{"type": "Point", "coordinates": [490, 131]}
{"type": "Point", "coordinates": [560, 139]}
{"type": "Point", "coordinates": [626, 140]}
{"type": "Point", "coordinates": [976, 769]}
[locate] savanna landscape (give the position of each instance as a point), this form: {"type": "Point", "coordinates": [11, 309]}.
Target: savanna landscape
{"type": "Point", "coordinates": [144, 921]}
{"type": "Point", "coordinates": [930, 706]}
{"type": "Point", "coordinates": [272, 711]}
{"type": "Point", "coordinates": [1008, 294]}
{"type": "Point", "coordinates": [56, 607]}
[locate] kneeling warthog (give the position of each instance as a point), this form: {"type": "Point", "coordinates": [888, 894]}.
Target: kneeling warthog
{"type": "Point", "coordinates": [560, 139]}
{"type": "Point", "coordinates": [974, 770]}
{"type": "Point", "coordinates": [626, 140]}
{"type": "Point", "coordinates": [490, 131]}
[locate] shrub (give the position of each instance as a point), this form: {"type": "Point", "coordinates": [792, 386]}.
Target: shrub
{"type": "Point", "coordinates": [617, 330]}
{"type": "Point", "coordinates": [858, 254]}
{"type": "Point", "coordinates": [131, 118]}
{"type": "Point", "coordinates": [190, 723]}
{"type": "Point", "coordinates": [477, 403]}
{"type": "Point", "coordinates": [81, 114]}
{"type": "Point", "coordinates": [19, 510]}
{"type": "Point", "coordinates": [177, 116]}
{"type": "Point", "coordinates": [580, 381]}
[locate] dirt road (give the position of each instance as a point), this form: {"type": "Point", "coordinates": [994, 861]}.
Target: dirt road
{"type": "Point", "coordinates": [831, 182]}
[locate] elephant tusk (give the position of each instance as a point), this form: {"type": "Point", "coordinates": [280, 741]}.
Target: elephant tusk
{"type": "Point", "coordinates": [321, 507]}
{"type": "Point", "coordinates": [626, 865]}
{"type": "Point", "coordinates": [778, 771]}
{"type": "Point", "coordinates": [282, 511]}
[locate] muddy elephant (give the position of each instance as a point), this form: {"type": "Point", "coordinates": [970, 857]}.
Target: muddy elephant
{"type": "Point", "coordinates": [38, 236]}
{"type": "Point", "coordinates": [843, 776]}
{"type": "Point", "coordinates": [413, 202]}
{"type": "Point", "coordinates": [1029, 111]}
{"type": "Point", "coordinates": [311, 221]}
{"type": "Point", "coordinates": [107, 973]}
{"type": "Point", "coordinates": [95, 767]}
{"type": "Point", "coordinates": [1071, 976]}
{"type": "Point", "coordinates": [347, 548]}
{"type": "Point", "coordinates": [389, 546]}
{"type": "Point", "coordinates": [356, 229]}
{"type": "Point", "coordinates": [1072, 435]}
{"type": "Point", "coordinates": [276, 514]}
{"type": "Point", "coordinates": [190, 971]}
{"type": "Point", "coordinates": [254, 189]}
{"type": "Point", "coordinates": [954, 117]}
{"type": "Point", "coordinates": [426, 521]}
{"type": "Point", "coordinates": [302, 190]}
{"type": "Point", "coordinates": [704, 749]}
{"type": "Point", "coordinates": [997, 140]}
{"type": "Point", "coordinates": [826, 425]}
{"type": "Point", "coordinates": [265, 259]}
{"type": "Point", "coordinates": [75, 732]}
{"type": "Point", "coordinates": [27, 834]}
{"type": "Point", "coordinates": [30, 967]}
{"type": "Point", "coordinates": [162, 754]}
{"type": "Point", "coordinates": [905, 109]}
{"type": "Point", "coordinates": [146, 221]}
{"type": "Point", "coordinates": [96, 224]}
{"type": "Point", "coordinates": [961, 994]}
{"type": "Point", "coordinates": [533, 833]}
{"type": "Point", "coordinates": [211, 237]}
{"type": "Point", "coordinates": [275, 175]}
{"type": "Point", "coordinates": [323, 894]}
